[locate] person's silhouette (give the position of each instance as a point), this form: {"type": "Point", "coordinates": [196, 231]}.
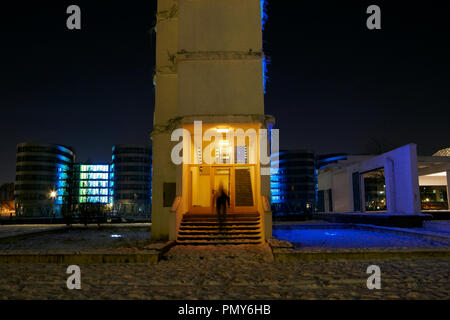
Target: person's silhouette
{"type": "Point", "coordinates": [222, 200]}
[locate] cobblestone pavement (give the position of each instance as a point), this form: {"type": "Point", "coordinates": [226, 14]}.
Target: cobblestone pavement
{"type": "Point", "coordinates": [201, 273]}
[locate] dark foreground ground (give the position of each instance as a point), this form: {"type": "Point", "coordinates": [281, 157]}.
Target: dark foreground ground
{"type": "Point", "coordinates": [196, 273]}
{"type": "Point", "coordinates": [211, 272]}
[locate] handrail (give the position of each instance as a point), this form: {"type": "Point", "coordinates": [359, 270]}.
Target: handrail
{"type": "Point", "coordinates": [176, 204]}
{"type": "Point", "coordinates": [266, 204]}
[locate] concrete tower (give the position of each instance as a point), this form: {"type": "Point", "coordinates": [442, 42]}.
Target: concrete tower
{"type": "Point", "coordinates": [209, 68]}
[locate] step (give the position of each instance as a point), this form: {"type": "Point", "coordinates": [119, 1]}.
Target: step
{"type": "Point", "coordinates": [222, 239]}
{"type": "Point", "coordinates": [231, 233]}
{"type": "Point", "coordinates": [217, 220]}
{"type": "Point", "coordinates": [217, 238]}
{"type": "Point", "coordinates": [215, 243]}
{"type": "Point", "coordinates": [227, 216]}
{"type": "Point", "coordinates": [206, 228]}
{"type": "Point", "coordinates": [223, 221]}
{"type": "Point", "coordinates": [214, 215]}
{"type": "Point", "coordinates": [229, 224]}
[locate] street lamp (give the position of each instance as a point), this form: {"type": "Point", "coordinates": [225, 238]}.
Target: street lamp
{"type": "Point", "coordinates": [53, 197]}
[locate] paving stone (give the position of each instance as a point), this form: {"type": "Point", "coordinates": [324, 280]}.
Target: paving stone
{"type": "Point", "coordinates": [240, 277]}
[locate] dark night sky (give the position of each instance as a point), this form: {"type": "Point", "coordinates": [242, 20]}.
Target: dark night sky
{"type": "Point", "coordinates": [334, 85]}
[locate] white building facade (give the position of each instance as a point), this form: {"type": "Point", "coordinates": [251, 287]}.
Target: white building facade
{"type": "Point", "coordinates": [396, 182]}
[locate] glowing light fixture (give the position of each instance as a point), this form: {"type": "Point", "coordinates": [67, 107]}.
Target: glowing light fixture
{"type": "Point", "coordinates": [439, 174]}
{"type": "Point", "coordinates": [223, 130]}
{"type": "Point", "coordinates": [53, 194]}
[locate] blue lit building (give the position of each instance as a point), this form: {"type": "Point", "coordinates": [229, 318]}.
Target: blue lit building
{"type": "Point", "coordinates": [324, 160]}
{"type": "Point", "coordinates": [294, 187]}
{"type": "Point", "coordinates": [43, 172]}
{"type": "Point", "coordinates": [132, 170]}
{"type": "Point", "coordinates": [50, 185]}
{"type": "Point", "coordinates": [93, 183]}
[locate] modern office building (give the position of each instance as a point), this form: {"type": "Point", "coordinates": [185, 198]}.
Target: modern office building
{"type": "Point", "coordinates": [49, 183]}
{"type": "Point", "coordinates": [396, 182]}
{"type": "Point", "coordinates": [42, 180]}
{"type": "Point", "coordinates": [294, 186]}
{"type": "Point", "coordinates": [132, 177]}
{"type": "Point", "coordinates": [92, 183]}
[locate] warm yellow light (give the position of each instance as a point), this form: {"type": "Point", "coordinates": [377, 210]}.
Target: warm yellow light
{"type": "Point", "coordinates": [438, 174]}
{"type": "Point", "coordinates": [53, 194]}
{"type": "Point", "coordinates": [223, 130]}
{"type": "Point", "coordinates": [223, 142]}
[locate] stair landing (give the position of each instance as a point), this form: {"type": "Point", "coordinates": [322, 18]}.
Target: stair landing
{"type": "Point", "coordinates": [206, 229]}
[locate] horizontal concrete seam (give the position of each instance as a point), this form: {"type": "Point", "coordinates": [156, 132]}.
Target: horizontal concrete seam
{"type": "Point", "coordinates": [311, 256]}
{"type": "Point", "coordinates": [79, 258]}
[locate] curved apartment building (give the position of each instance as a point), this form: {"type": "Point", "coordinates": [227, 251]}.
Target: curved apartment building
{"type": "Point", "coordinates": [131, 174]}
{"type": "Point", "coordinates": [294, 186]}
{"type": "Point", "coordinates": [42, 179]}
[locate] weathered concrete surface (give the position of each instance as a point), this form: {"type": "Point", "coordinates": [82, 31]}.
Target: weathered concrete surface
{"type": "Point", "coordinates": [17, 231]}
{"type": "Point", "coordinates": [79, 238]}
{"type": "Point", "coordinates": [261, 252]}
{"type": "Point", "coordinates": [145, 253]}
{"type": "Point", "coordinates": [287, 254]}
{"type": "Point", "coordinates": [283, 251]}
{"type": "Point", "coordinates": [231, 278]}
{"type": "Point", "coordinates": [67, 257]}
{"type": "Point", "coordinates": [437, 226]}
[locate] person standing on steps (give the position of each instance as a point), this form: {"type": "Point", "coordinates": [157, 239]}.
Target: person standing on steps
{"type": "Point", "coordinates": [222, 200]}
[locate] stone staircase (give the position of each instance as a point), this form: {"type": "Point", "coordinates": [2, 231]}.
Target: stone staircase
{"type": "Point", "coordinates": [243, 184]}
{"type": "Point", "coordinates": [206, 229]}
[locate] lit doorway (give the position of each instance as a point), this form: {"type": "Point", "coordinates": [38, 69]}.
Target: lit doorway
{"type": "Point", "coordinates": [237, 182]}
{"type": "Point", "coordinates": [205, 183]}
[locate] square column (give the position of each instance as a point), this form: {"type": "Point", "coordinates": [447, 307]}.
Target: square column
{"type": "Point", "coordinates": [448, 188]}
{"type": "Point", "coordinates": [389, 176]}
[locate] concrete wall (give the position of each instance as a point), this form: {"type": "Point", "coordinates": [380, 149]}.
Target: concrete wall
{"type": "Point", "coordinates": [209, 62]}
{"type": "Point", "coordinates": [237, 87]}
{"type": "Point", "coordinates": [402, 183]}
{"type": "Point", "coordinates": [220, 25]}
{"type": "Point", "coordinates": [163, 171]}
{"type": "Point", "coordinates": [342, 193]}
{"type": "Point", "coordinates": [448, 188]}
